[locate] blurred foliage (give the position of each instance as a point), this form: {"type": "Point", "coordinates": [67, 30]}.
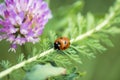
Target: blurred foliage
{"type": "Point", "coordinates": [42, 72]}
{"type": "Point", "coordinates": [72, 18]}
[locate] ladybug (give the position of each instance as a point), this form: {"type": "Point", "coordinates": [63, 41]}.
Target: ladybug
{"type": "Point", "coordinates": [61, 43]}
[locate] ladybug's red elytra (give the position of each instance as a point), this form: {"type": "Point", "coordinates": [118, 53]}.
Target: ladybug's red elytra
{"type": "Point", "coordinates": [61, 43]}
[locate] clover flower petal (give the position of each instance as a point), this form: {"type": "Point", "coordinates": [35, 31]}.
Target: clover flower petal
{"type": "Point", "coordinates": [23, 21]}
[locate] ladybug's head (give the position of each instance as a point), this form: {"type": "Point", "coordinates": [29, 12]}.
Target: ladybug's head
{"type": "Point", "coordinates": [57, 45]}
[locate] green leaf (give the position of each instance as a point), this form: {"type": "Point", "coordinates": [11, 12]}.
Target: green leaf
{"type": "Point", "coordinates": [42, 72]}
{"type": "Point", "coordinates": [21, 57]}
{"type": "Point", "coordinates": [90, 21]}
{"type": "Point", "coordinates": [5, 64]}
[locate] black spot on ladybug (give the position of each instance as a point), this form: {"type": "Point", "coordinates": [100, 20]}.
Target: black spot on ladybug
{"type": "Point", "coordinates": [64, 48]}
{"type": "Point", "coordinates": [69, 43]}
{"type": "Point", "coordinates": [64, 42]}
{"type": "Point", "coordinates": [61, 37]}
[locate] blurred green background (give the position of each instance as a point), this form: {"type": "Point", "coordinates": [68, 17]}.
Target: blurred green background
{"type": "Point", "coordinates": [105, 66]}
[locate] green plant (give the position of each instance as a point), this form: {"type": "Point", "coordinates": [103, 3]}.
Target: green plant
{"type": "Point", "coordinates": [88, 35]}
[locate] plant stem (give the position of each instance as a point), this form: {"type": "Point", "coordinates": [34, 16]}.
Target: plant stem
{"type": "Point", "coordinates": [23, 63]}
{"type": "Point", "coordinates": [97, 28]}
